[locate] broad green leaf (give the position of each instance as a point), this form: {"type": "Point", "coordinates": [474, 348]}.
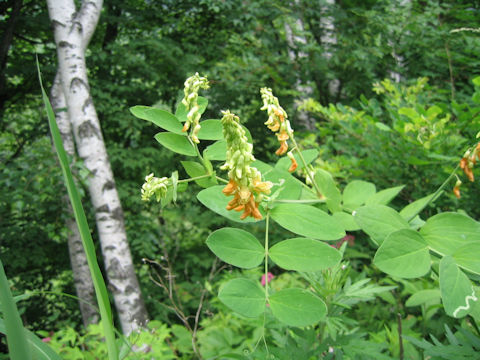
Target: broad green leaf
{"type": "Point", "coordinates": [378, 221]}
{"type": "Point", "coordinates": [210, 130]}
{"type": "Point", "coordinates": [176, 143]}
{"type": "Point", "coordinates": [301, 254]}
{"type": "Point", "coordinates": [458, 294]}
{"type": "Point", "coordinates": [284, 162]}
{"type": "Point", "coordinates": [291, 186]}
{"type": "Point", "coordinates": [181, 112]}
{"type": "Point", "coordinates": [347, 220]}
{"type": "Point", "coordinates": [404, 253]}
{"type": "Point", "coordinates": [236, 247]}
{"type": "Point", "coordinates": [307, 221]}
{"type": "Point", "coordinates": [264, 168]}
{"type": "Point", "coordinates": [447, 232]}
{"type": "Point", "coordinates": [327, 187]}
{"type": "Point", "coordinates": [383, 197]}
{"type": "Point", "coordinates": [195, 169]}
{"type": "Point", "coordinates": [414, 208]}
{"type": "Point", "coordinates": [216, 151]}
{"type": "Point", "coordinates": [356, 193]}
{"type": "Point", "coordinates": [297, 307]}
{"type": "Point", "coordinates": [243, 296]}
{"type": "Point", "coordinates": [468, 257]}
{"type": "Point", "coordinates": [39, 349]}
{"type": "Point", "coordinates": [159, 117]}
{"type": "Point", "coordinates": [215, 200]}
{"type": "Point", "coordinates": [429, 296]}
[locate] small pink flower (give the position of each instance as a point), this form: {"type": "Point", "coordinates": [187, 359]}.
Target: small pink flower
{"type": "Point", "coordinates": [269, 278]}
{"type": "Point", "coordinates": [347, 238]}
{"type": "Point", "coordinates": [47, 339]}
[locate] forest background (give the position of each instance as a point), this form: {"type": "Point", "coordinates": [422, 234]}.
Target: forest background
{"type": "Point", "coordinates": [331, 52]}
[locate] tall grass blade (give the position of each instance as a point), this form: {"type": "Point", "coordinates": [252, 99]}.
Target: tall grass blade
{"type": "Point", "coordinates": [40, 350]}
{"type": "Point", "coordinates": [16, 340]}
{"type": "Point", "coordinates": [98, 282]}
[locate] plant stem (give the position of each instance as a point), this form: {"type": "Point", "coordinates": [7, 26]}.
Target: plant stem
{"type": "Point", "coordinates": [305, 201]}
{"type": "Point", "coordinates": [194, 178]}
{"type": "Point", "coordinates": [436, 193]}
{"type": "Point", "coordinates": [221, 179]}
{"type": "Point", "coordinates": [319, 193]}
{"type": "Point", "coordinates": [266, 256]}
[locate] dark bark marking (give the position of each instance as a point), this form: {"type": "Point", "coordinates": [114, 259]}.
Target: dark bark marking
{"type": "Point", "coordinates": [103, 208]}
{"type": "Point", "coordinates": [109, 185]}
{"type": "Point", "coordinates": [87, 129]}
{"type": "Point", "coordinates": [77, 83]}
{"type": "Point", "coordinates": [86, 104]}
{"type": "Point", "coordinates": [65, 44]}
{"type": "Point", "coordinates": [117, 214]}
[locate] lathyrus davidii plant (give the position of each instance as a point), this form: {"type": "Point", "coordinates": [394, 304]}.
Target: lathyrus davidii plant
{"type": "Point", "coordinates": [315, 210]}
{"type": "Point", "coordinates": [253, 191]}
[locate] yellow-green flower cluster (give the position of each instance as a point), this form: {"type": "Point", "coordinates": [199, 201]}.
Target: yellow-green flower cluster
{"type": "Point", "coordinates": [277, 119]}
{"type": "Point", "coordinates": [278, 123]}
{"type": "Point", "coordinates": [154, 186]}
{"type": "Point", "coordinates": [245, 181]}
{"type": "Point", "coordinates": [192, 85]}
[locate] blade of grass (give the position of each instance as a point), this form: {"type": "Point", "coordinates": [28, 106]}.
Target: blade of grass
{"type": "Point", "coordinates": [40, 350]}
{"type": "Point", "coordinates": [98, 281]}
{"type": "Point", "coordinates": [16, 340]}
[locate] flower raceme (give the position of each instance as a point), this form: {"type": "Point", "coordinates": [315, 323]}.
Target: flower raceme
{"type": "Point", "coordinates": [154, 186]}
{"type": "Point", "coordinates": [192, 85]}
{"type": "Point", "coordinates": [278, 123]}
{"type": "Point", "coordinates": [245, 181]}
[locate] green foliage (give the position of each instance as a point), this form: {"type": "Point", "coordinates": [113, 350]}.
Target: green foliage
{"type": "Point", "coordinates": [150, 342]}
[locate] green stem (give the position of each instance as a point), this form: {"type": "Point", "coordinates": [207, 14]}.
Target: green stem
{"type": "Point", "coordinates": [194, 178]}
{"type": "Point", "coordinates": [436, 193]}
{"type": "Point", "coordinates": [305, 201]}
{"type": "Point", "coordinates": [195, 147]}
{"type": "Point", "coordinates": [221, 179]}
{"type": "Point", "coordinates": [266, 255]}
{"type": "Point", "coordinates": [317, 189]}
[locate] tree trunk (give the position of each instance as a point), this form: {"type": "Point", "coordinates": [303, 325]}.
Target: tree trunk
{"type": "Point", "coordinates": [72, 31]}
{"type": "Point", "coordinates": [81, 272]}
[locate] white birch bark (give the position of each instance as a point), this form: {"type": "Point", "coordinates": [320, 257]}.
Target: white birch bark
{"type": "Point", "coordinates": [78, 260]}
{"type": "Point", "coordinates": [72, 31]}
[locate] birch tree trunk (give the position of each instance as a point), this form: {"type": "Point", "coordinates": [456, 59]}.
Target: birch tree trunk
{"type": "Point", "coordinates": [81, 272]}
{"type": "Point", "coordinates": [72, 31]}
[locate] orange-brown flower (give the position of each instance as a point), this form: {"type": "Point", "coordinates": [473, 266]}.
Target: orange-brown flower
{"type": "Point", "coordinates": [294, 165]}
{"type": "Point", "coordinates": [466, 166]}
{"type": "Point", "coordinates": [456, 188]}
{"type": "Point", "coordinates": [456, 191]}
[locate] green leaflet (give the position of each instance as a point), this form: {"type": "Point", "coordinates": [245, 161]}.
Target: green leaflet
{"type": "Point", "coordinates": [404, 253]}
{"type": "Point", "coordinates": [301, 254]}
{"type": "Point", "coordinates": [215, 200]}
{"type": "Point", "coordinates": [447, 232]}
{"type": "Point", "coordinates": [176, 143]}
{"type": "Point", "coordinates": [378, 221]}
{"type": "Point", "coordinates": [243, 296]}
{"type": "Point", "coordinates": [307, 221]}
{"type": "Point", "coordinates": [356, 193]}
{"type": "Point", "coordinates": [236, 247]}
{"type": "Point", "coordinates": [329, 190]}
{"type": "Point", "coordinates": [297, 307]}
{"type": "Point", "coordinates": [159, 117]}
{"type": "Point", "coordinates": [458, 293]}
